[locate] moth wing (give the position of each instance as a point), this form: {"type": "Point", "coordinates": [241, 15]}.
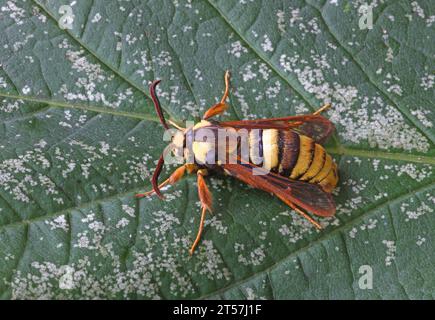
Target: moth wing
{"type": "Point", "coordinates": [316, 127]}
{"type": "Point", "coordinates": [307, 196]}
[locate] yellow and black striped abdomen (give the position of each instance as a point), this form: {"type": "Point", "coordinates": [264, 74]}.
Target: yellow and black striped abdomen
{"type": "Point", "coordinates": [294, 156]}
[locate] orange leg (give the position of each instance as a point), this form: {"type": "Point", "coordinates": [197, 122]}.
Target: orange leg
{"type": "Point", "coordinates": [323, 108]}
{"type": "Point", "coordinates": [206, 200]}
{"type": "Point", "coordinates": [175, 176]}
{"type": "Point", "coordinates": [221, 106]}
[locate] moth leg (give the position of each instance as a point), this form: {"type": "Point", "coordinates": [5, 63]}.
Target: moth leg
{"type": "Point", "coordinates": [206, 201]}
{"type": "Point", "coordinates": [323, 108]}
{"type": "Point", "coordinates": [227, 86]}
{"type": "Point", "coordinates": [303, 214]}
{"type": "Point", "coordinates": [174, 177]}
{"type": "Point", "coordinates": [221, 106]}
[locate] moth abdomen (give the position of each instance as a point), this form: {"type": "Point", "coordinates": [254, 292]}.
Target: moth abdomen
{"type": "Point", "coordinates": [294, 156]}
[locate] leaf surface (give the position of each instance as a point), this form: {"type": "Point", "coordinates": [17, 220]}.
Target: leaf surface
{"type": "Point", "coordinates": [79, 137]}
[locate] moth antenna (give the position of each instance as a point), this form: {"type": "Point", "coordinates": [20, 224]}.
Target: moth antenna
{"type": "Point", "coordinates": [157, 103]}
{"type": "Point", "coordinates": [155, 178]}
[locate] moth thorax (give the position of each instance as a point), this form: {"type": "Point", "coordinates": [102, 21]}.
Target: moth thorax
{"type": "Point", "coordinates": [204, 142]}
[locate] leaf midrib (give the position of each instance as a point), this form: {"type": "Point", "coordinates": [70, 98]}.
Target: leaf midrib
{"type": "Point", "coordinates": [339, 150]}
{"type": "Point", "coordinates": [61, 104]}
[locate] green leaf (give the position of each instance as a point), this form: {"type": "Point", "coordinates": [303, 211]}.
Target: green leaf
{"type": "Point", "coordinates": [79, 137]}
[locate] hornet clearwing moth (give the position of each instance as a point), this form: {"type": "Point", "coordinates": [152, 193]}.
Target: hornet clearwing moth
{"type": "Point", "coordinates": [296, 167]}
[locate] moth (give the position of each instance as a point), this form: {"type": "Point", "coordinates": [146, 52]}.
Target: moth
{"type": "Point", "coordinates": [282, 156]}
